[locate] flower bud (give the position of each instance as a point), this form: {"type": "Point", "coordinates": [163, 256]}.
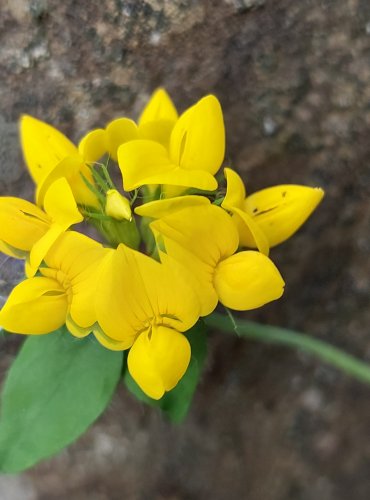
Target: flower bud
{"type": "Point", "coordinates": [117, 206]}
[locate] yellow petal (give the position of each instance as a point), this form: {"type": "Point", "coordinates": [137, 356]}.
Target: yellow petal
{"type": "Point", "coordinates": [159, 107]}
{"type": "Point", "coordinates": [42, 246]}
{"type": "Point", "coordinates": [198, 138]}
{"type": "Point", "coordinates": [76, 330]}
{"type": "Point", "coordinates": [43, 147]}
{"type": "Point", "coordinates": [60, 205]}
{"type": "Point", "coordinates": [122, 309]}
{"type": "Point", "coordinates": [160, 208]}
{"type": "Point", "coordinates": [72, 253]}
{"type": "Point", "coordinates": [206, 231]}
{"type": "Point", "coordinates": [199, 275]}
{"type": "Point", "coordinates": [172, 296]}
{"type": "Point", "coordinates": [118, 132]}
{"type": "Point", "coordinates": [35, 306]}
{"type": "Point", "coordinates": [24, 206]}
{"type": "Point", "coordinates": [147, 162]}
{"type": "Point", "coordinates": [81, 192]}
{"type": "Point", "coordinates": [250, 233]}
{"type": "Point", "coordinates": [235, 190]}
{"type": "Point", "coordinates": [22, 223]}
{"type": "Point", "coordinates": [11, 251]}
{"type": "Point", "coordinates": [84, 287]}
{"type": "Point", "coordinates": [28, 270]}
{"type": "Point", "coordinates": [199, 179]}
{"type": "Point", "coordinates": [68, 168]}
{"type": "Point", "coordinates": [140, 160]}
{"type": "Point", "coordinates": [158, 131]}
{"type": "Point", "coordinates": [75, 260]}
{"type": "Point", "coordinates": [247, 280]}
{"type": "Point", "coordinates": [93, 145]}
{"type": "Point", "coordinates": [168, 191]}
{"type": "Point", "coordinates": [135, 290]}
{"type": "Point", "coordinates": [158, 360]}
{"type": "Point", "coordinates": [281, 210]}
{"type": "Point", "coordinates": [113, 345]}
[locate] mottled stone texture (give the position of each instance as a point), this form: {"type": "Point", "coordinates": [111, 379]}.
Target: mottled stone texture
{"type": "Point", "coordinates": [294, 81]}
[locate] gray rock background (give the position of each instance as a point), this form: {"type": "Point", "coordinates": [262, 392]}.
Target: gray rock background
{"type": "Point", "coordinates": [293, 78]}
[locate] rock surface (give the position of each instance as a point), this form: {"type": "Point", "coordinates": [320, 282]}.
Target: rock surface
{"type": "Point", "coordinates": [294, 82]}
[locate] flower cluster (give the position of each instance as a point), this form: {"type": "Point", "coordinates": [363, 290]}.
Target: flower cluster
{"type": "Point", "coordinates": [172, 243]}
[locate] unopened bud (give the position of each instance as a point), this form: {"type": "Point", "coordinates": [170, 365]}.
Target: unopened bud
{"type": "Point", "coordinates": [117, 206]}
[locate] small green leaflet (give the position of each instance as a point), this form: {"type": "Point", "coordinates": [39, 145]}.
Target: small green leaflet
{"type": "Point", "coordinates": [176, 403]}
{"type": "Point", "coordinates": [55, 389]}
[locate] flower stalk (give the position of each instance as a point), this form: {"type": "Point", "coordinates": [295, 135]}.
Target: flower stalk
{"type": "Point", "coordinates": [276, 335]}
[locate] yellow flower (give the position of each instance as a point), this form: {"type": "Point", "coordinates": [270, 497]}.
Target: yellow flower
{"type": "Point", "coordinates": [64, 293]}
{"type": "Point", "coordinates": [145, 305]}
{"type": "Point", "coordinates": [26, 229]}
{"type": "Point", "coordinates": [49, 155]}
{"type": "Point", "coordinates": [155, 123]}
{"type": "Point", "coordinates": [204, 240]}
{"type": "Point", "coordinates": [194, 154]}
{"type": "Point", "coordinates": [268, 217]}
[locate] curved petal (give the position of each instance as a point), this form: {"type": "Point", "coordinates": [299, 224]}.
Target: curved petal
{"type": "Point", "coordinates": [35, 306]}
{"type": "Point", "coordinates": [250, 233]}
{"type": "Point", "coordinates": [173, 298]}
{"type": "Point", "coordinates": [281, 210]}
{"type": "Point", "coordinates": [158, 131]}
{"type": "Point", "coordinates": [159, 107]}
{"type": "Point", "coordinates": [81, 191]}
{"type": "Point", "coordinates": [198, 137]}
{"type": "Point", "coordinates": [84, 286]}
{"type": "Point", "coordinates": [11, 251]}
{"type": "Point", "coordinates": [93, 145]}
{"type": "Point", "coordinates": [27, 208]}
{"type": "Point", "coordinates": [67, 168]}
{"type": "Point", "coordinates": [199, 275]}
{"type": "Point", "coordinates": [147, 162]}
{"type": "Point", "coordinates": [113, 345]}
{"type": "Point", "coordinates": [72, 254]}
{"type": "Point", "coordinates": [140, 160]}
{"type": "Point", "coordinates": [75, 260]}
{"type": "Point", "coordinates": [135, 290]}
{"type": "Point", "coordinates": [121, 305]}
{"type": "Point", "coordinates": [199, 179]}
{"type": "Point", "coordinates": [161, 208]}
{"type": "Point", "coordinates": [60, 205]}
{"type": "Point", "coordinates": [43, 147]}
{"type": "Point", "coordinates": [22, 224]}
{"type": "Point", "coordinates": [209, 226]}
{"type": "Point", "coordinates": [76, 330]}
{"type": "Point", "coordinates": [235, 190]}
{"type": "Point", "coordinates": [42, 246]}
{"type": "Point", "coordinates": [118, 132]}
{"type": "Point", "coordinates": [247, 280]}
{"type": "Point", "coordinates": [158, 360]}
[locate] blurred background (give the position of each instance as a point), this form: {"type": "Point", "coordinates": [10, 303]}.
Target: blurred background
{"type": "Point", "coordinates": [293, 78]}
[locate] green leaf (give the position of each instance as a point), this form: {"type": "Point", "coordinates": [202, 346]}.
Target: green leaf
{"type": "Point", "coordinates": [57, 386]}
{"type": "Point", "coordinates": [176, 403]}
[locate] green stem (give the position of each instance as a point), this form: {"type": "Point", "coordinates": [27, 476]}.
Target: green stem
{"type": "Point", "coordinates": [273, 334]}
